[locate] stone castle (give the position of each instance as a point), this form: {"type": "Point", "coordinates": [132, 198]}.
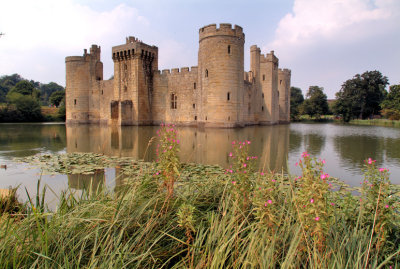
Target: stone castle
{"type": "Point", "coordinates": [216, 93]}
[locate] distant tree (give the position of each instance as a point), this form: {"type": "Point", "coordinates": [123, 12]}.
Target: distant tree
{"type": "Point", "coordinates": [6, 83]}
{"type": "Point", "coordinates": [316, 103]}
{"type": "Point", "coordinates": [47, 90]}
{"type": "Point", "coordinates": [23, 87]}
{"type": "Point", "coordinates": [361, 96]}
{"type": "Point", "coordinates": [296, 99]}
{"type": "Point", "coordinates": [61, 110]}
{"type": "Point", "coordinates": [391, 104]}
{"type": "Point", "coordinates": [56, 97]}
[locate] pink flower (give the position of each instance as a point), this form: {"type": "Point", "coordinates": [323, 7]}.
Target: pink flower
{"type": "Point", "coordinates": [296, 164]}
{"type": "Point", "coordinates": [233, 142]}
{"type": "Point", "coordinates": [312, 201]}
{"type": "Point", "coordinates": [332, 204]}
{"type": "Point", "coordinates": [170, 147]}
{"type": "Point", "coordinates": [157, 173]}
{"type": "Point", "coordinates": [317, 218]}
{"type": "Point", "coordinates": [262, 173]}
{"type": "Point", "coordinates": [273, 180]}
{"type": "Point", "coordinates": [268, 202]}
{"type": "Point", "coordinates": [230, 154]}
{"type": "Point", "coordinates": [177, 141]}
{"type": "Point", "coordinates": [231, 171]}
{"type": "Point", "coordinates": [323, 161]}
{"type": "Point", "coordinates": [324, 176]}
{"type": "Point", "coordinates": [234, 182]}
{"type": "Point", "coordinates": [248, 158]}
{"type": "Point", "coordinates": [244, 165]}
{"type": "Point", "coordinates": [383, 169]}
{"type": "Point", "coordinates": [387, 206]}
{"type": "Point", "coordinates": [248, 142]}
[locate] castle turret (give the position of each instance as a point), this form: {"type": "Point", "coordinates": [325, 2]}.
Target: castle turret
{"type": "Point", "coordinates": [269, 88]}
{"type": "Point", "coordinates": [284, 95]}
{"type": "Point", "coordinates": [82, 73]}
{"type": "Point", "coordinates": [220, 75]}
{"type": "Point", "coordinates": [134, 66]}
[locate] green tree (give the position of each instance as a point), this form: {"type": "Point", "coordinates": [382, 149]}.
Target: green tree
{"type": "Point", "coordinates": [47, 90]}
{"type": "Point", "coordinates": [296, 99]}
{"type": "Point", "coordinates": [316, 103]}
{"type": "Point", "coordinates": [23, 87]}
{"type": "Point", "coordinates": [61, 110]}
{"type": "Point", "coordinates": [56, 97]}
{"type": "Point", "coordinates": [6, 83]}
{"type": "Point", "coordinates": [361, 96]}
{"type": "Point", "coordinates": [391, 104]}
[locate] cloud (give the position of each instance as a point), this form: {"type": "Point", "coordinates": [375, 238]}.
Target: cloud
{"type": "Point", "coordinates": [61, 28]}
{"type": "Point", "coordinates": [327, 42]}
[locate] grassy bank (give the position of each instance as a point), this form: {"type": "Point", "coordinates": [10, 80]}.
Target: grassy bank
{"type": "Point", "coordinates": [173, 215]}
{"type": "Point", "coordinates": [377, 122]}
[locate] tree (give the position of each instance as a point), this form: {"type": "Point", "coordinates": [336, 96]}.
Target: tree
{"type": "Point", "coordinates": [6, 83]}
{"type": "Point", "coordinates": [361, 96]}
{"type": "Point", "coordinates": [48, 89]}
{"type": "Point", "coordinates": [296, 99]}
{"type": "Point", "coordinates": [391, 104]}
{"type": "Point", "coordinates": [23, 87]}
{"type": "Point", "coordinates": [56, 97]}
{"type": "Point", "coordinates": [316, 103]}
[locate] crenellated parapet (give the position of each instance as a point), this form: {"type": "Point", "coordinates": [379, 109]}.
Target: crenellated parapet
{"type": "Point", "coordinates": [225, 29]}
{"type": "Point", "coordinates": [178, 71]}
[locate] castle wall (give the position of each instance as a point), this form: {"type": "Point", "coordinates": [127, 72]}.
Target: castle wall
{"type": "Point", "coordinates": [216, 93]}
{"type": "Point", "coordinates": [174, 98]}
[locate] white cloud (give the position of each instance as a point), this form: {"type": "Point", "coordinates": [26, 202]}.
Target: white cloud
{"type": "Point", "coordinates": [62, 28]}
{"type": "Point", "coordinates": [329, 41]}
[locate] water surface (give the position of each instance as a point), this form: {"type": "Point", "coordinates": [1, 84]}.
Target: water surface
{"type": "Point", "coordinates": [344, 147]}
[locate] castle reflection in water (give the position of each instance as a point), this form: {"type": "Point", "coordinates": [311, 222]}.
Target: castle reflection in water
{"type": "Point", "coordinates": [206, 146]}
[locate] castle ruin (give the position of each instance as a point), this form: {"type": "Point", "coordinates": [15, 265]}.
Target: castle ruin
{"type": "Point", "coordinates": [216, 93]}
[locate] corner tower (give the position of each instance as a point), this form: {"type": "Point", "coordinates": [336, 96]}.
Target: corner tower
{"type": "Point", "coordinates": [220, 75]}
{"type": "Point", "coordinates": [284, 95]}
{"type": "Point", "coordinates": [82, 75]}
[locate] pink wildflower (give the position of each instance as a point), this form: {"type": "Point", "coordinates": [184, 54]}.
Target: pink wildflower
{"type": "Point", "coordinates": [296, 164]}
{"type": "Point", "coordinates": [234, 182]}
{"type": "Point", "coordinates": [230, 154]}
{"type": "Point", "coordinates": [268, 202]}
{"type": "Point", "coordinates": [273, 180]}
{"type": "Point", "coordinates": [233, 142]}
{"type": "Point", "coordinates": [244, 165]}
{"type": "Point", "coordinates": [170, 147]}
{"type": "Point", "coordinates": [387, 206]}
{"type": "Point", "coordinates": [312, 201]}
{"type": "Point", "coordinates": [317, 218]}
{"type": "Point", "coordinates": [323, 161]}
{"type": "Point", "coordinates": [177, 141]}
{"type": "Point", "coordinates": [248, 142]}
{"type": "Point", "coordinates": [262, 173]}
{"type": "Point", "coordinates": [332, 204]}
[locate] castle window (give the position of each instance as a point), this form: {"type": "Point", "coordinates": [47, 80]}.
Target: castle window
{"type": "Point", "coordinates": [206, 118]}
{"type": "Point", "coordinates": [133, 51]}
{"type": "Point", "coordinates": [263, 77]}
{"type": "Point", "coordinates": [74, 101]}
{"type": "Point", "coordinates": [206, 73]}
{"type": "Point", "coordinates": [195, 117]}
{"type": "Point", "coordinates": [194, 105]}
{"type": "Point", "coordinates": [229, 118]}
{"type": "Point", "coordinates": [228, 96]}
{"type": "Point", "coordinates": [278, 94]}
{"type": "Point", "coordinates": [101, 92]}
{"type": "Point", "coordinates": [280, 82]}
{"type": "Point", "coordinates": [229, 49]}
{"type": "Point", "coordinates": [125, 66]}
{"type": "Point", "coordinates": [248, 107]}
{"type": "Point", "coordinates": [98, 78]}
{"type": "Point", "coordinates": [263, 96]}
{"type": "Point", "coordinates": [194, 85]}
{"type": "Point", "coordinates": [174, 101]}
{"type": "Point", "coordinates": [262, 108]}
{"type": "Point", "coordinates": [125, 88]}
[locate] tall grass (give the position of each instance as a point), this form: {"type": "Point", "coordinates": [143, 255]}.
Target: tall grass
{"type": "Point", "coordinates": [212, 219]}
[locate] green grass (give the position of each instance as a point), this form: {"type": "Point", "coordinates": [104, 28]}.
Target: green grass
{"type": "Point", "coordinates": [377, 122]}
{"type": "Point", "coordinates": [139, 227]}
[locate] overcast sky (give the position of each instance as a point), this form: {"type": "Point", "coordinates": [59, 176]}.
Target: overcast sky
{"type": "Point", "coordinates": [323, 42]}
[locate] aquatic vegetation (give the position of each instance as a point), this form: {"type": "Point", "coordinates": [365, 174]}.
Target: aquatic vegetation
{"type": "Point", "coordinates": [215, 218]}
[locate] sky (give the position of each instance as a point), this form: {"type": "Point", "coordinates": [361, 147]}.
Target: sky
{"type": "Point", "coordinates": [323, 42]}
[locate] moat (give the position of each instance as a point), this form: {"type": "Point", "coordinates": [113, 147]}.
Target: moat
{"type": "Point", "coordinates": [278, 147]}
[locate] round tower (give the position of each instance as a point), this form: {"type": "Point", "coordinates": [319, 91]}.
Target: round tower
{"type": "Point", "coordinates": [77, 89]}
{"type": "Point", "coordinates": [220, 75]}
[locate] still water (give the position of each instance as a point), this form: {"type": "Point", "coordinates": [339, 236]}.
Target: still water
{"type": "Point", "coordinates": [344, 147]}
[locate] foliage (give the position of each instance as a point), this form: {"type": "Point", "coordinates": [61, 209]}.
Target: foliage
{"type": "Point", "coordinates": [57, 97]}
{"type": "Point", "coordinates": [47, 90]}
{"type": "Point", "coordinates": [316, 103]}
{"type": "Point", "coordinates": [296, 100]}
{"type": "Point", "coordinates": [391, 104]}
{"type": "Point", "coordinates": [168, 159]}
{"type": "Point", "coordinates": [62, 110]}
{"type": "Point", "coordinates": [6, 83]}
{"type": "Point", "coordinates": [201, 227]}
{"type": "Point", "coordinates": [23, 87]}
{"type": "Point", "coordinates": [361, 96]}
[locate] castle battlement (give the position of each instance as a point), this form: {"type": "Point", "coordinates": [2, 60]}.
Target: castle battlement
{"type": "Point", "coordinates": [218, 92]}
{"type": "Point", "coordinates": [225, 29]}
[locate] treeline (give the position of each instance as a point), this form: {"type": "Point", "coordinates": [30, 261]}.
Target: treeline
{"type": "Point", "coordinates": [361, 97]}
{"type": "Point", "coordinates": [21, 99]}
